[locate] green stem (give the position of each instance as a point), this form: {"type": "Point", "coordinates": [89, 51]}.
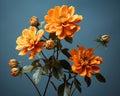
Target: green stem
{"type": "Point", "coordinates": [33, 84]}
{"type": "Point", "coordinates": [47, 83]}
{"type": "Point", "coordinates": [73, 91]}
{"type": "Point", "coordinates": [43, 55]}
{"type": "Point", "coordinates": [97, 46]}
{"type": "Point", "coordinates": [57, 49]}
{"type": "Point", "coordinates": [45, 37]}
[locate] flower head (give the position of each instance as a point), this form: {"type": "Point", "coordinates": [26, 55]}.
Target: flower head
{"type": "Point", "coordinates": [34, 21]}
{"type": "Point", "coordinates": [62, 21]}
{"type": "Point", "coordinates": [15, 71]}
{"type": "Point", "coordinates": [13, 63]}
{"type": "Point", "coordinates": [50, 44]}
{"type": "Point", "coordinates": [103, 40]}
{"type": "Point", "coordinates": [84, 61]}
{"type": "Point", "coordinates": [30, 41]}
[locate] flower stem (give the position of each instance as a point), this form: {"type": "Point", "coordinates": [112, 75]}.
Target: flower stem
{"type": "Point", "coordinates": [57, 48]}
{"type": "Point", "coordinates": [47, 83]}
{"type": "Point", "coordinates": [33, 84]}
{"type": "Point", "coordinates": [73, 91]}
{"type": "Point", "coordinates": [97, 46]}
{"type": "Point", "coordinates": [43, 55]}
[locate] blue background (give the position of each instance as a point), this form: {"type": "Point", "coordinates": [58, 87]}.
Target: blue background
{"type": "Point", "coordinates": [100, 17]}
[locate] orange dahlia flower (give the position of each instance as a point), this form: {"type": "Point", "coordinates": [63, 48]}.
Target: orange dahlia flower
{"type": "Point", "coordinates": [30, 41]}
{"type": "Point", "coordinates": [84, 61]}
{"type": "Point", "coordinates": [62, 21]}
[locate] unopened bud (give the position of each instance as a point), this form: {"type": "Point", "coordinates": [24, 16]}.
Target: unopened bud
{"type": "Point", "coordinates": [13, 63]}
{"type": "Point", "coordinates": [105, 38]}
{"type": "Point", "coordinates": [34, 21]}
{"type": "Point", "coordinates": [15, 71]}
{"type": "Point", "coordinates": [50, 44]}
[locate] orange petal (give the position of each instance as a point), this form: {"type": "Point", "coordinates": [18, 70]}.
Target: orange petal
{"type": "Point", "coordinates": [73, 52]}
{"type": "Point", "coordinates": [62, 35]}
{"type": "Point", "coordinates": [89, 74]}
{"type": "Point", "coordinates": [50, 28]}
{"type": "Point", "coordinates": [74, 69]}
{"type": "Point", "coordinates": [32, 54]}
{"type": "Point", "coordinates": [25, 33]}
{"type": "Point", "coordinates": [83, 71]}
{"type": "Point", "coordinates": [64, 10]}
{"type": "Point", "coordinates": [76, 18]}
{"type": "Point", "coordinates": [71, 10]}
{"type": "Point", "coordinates": [95, 69]}
{"type": "Point", "coordinates": [39, 46]}
{"type": "Point", "coordinates": [56, 11]}
{"type": "Point", "coordinates": [23, 52]}
{"type": "Point", "coordinates": [19, 47]}
{"type": "Point", "coordinates": [39, 35]}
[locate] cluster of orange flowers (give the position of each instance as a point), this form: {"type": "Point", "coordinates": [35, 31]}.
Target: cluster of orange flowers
{"type": "Point", "coordinates": [62, 22]}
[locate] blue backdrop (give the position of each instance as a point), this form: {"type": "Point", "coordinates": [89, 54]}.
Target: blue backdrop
{"type": "Point", "coordinates": [100, 17]}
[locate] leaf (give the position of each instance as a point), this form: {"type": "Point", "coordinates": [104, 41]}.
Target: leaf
{"type": "Point", "coordinates": [58, 71]}
{"type": "Point", "coordinates": [61, 89]}
{"type": "Point", "coordinates": [65, 64]}
{"type": "Point", "coordinates": [67, 89]}
{"type": "Point", "coordinates": [37, 75]}
{"type": "Point", "coordinates": [35, 62]}
{"type": "Point", "coordinates": [88, 81]}
{"type": "Point", "coordinates": [53, 85]}
{"type": "Point", "coordinates": [69, 40]}
{"type": "Point", "coordinates": [65, 52]}
{"type": "Point", "coordinates": [27, 68]}
{"type": "Point", "coordinates": [77, 85]}
{"type": "Point", "coordinates": [100, 78]}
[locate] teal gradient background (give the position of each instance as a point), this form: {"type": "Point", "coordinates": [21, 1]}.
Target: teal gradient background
{"type": "Point", "coordinates": [100, 17]}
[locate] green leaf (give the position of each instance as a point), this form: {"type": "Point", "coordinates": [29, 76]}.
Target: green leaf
{"type": "Point", "coordinates": [27, 68]}
{"type": "Point", "coordinates": [67, 89]}
{"type": "Point", "coordinates": [77, 85]}
{"type": "Point", "coordinates": [100, 78]}
{"type": "Point", "coordinates": [88, 81]}
{"type": "Point", "coordinates": [37, 75]}
{"type": "Point", "coordinates": [65, 52]}
{"type": "Point", "coordinates": [69, 40]}
{"type": "Point", "coordinates": [35, 62]}
{"type": "Point", "coordinates": [65, 64]}
{"type": "Point", "coordinates": [58, 71]}
{"type": "Point", "coordinates": [61, 89]}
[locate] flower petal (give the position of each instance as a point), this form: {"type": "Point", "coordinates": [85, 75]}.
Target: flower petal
{"type": "Point", "coordinates": [23, 52]}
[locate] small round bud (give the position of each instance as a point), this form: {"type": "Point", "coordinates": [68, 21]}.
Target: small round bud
{"type": "Point", "coordinates": [105, 38]}
{"type": "Point", "coordinates": [50, 44]}
{"type": "Point", "coordinates": [15, 71]}
{"type": "Point", "coordinates": [13, 63]}
{"type": "Point", "coordinates": [34, 21]}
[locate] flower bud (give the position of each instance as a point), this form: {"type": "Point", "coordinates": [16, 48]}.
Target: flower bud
{"type": "Point", "coordinates": [50, 44]}
{"type": "Point", "coordinates": [34, 21]}
{"type": "Point", "coordinates": [105, 38]}
{"type": "Point", "coordinates": [13, 63]}
{"type": "Point", "coordinates": [15, 71]}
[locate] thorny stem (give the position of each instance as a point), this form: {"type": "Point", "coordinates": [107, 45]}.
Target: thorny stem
{"type": "Point", "coordinates": [47, 83]}
{"type": "Point", "coordinates": [33, 84]}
